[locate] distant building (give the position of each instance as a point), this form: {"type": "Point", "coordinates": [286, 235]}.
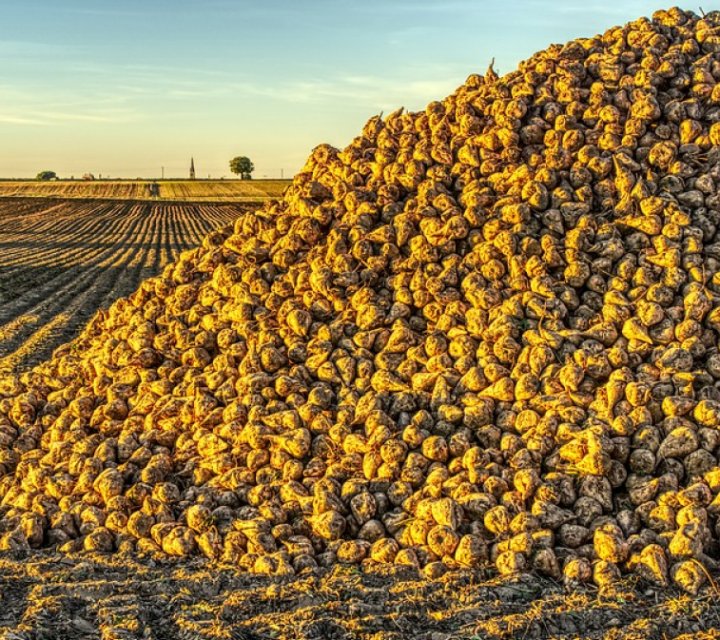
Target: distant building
{"type": "Point", "coordinates": [192, 169]}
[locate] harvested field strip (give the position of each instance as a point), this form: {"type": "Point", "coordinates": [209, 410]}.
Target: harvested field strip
{"type": "Point", "coordinates": [75, 189]}
{"type": "Point", "coordinates": [61, 262]}
{"type": "Point", "coordinates": [195, 190]}
{"type": "Point", "coordinates": [221, 189]}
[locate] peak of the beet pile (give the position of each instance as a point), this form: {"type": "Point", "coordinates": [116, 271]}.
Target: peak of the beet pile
{"type": "Point", "coordinates": [485, 333]}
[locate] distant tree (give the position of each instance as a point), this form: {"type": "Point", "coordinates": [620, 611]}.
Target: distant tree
{"type": "Point", "coordinates": [243, 166]}
{"type": "Point", "coordinates": [46, 175]}
{"type": "Point", "coordinates": [88, 176]}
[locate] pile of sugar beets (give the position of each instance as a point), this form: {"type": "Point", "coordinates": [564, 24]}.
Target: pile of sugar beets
{"type": "Point", "coordinates": [486, 333]}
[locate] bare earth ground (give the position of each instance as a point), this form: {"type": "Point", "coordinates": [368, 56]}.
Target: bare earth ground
{"type": "Point", "coordinates": [61, 260]}
{"type": "Point", "coordinates": [102, 596]}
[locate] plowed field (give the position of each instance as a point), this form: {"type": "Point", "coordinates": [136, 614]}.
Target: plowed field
{"type": "Point", "coordinates": [62, 260]}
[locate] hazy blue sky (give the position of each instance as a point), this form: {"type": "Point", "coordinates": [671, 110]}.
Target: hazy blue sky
{"type": "Point", "coordinates": [124, 87]}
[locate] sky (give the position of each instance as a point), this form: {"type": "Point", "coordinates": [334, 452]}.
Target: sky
{"type": "Point", "coordinates": [125, 88]}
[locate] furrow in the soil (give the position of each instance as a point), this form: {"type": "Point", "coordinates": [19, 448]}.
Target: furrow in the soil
{"type": "Point", "coordinates": [33, 347]}
{"type": "Point", "coordinates": [197, 227]}
{"type": "Point", "coordinates": [68, 320]}
{"type": "Point", "coordinates": [172, 247]}
{"type": "Point", "coordinates": [56, 301]}
{"type": "Point", "coordinates": [47, 218]}
{"type": "Point", "coordinates": [165, 247]}
{"type": "Point", "coordinates": [226, 214]}
{"type": "Point", "coordinates": [203, 224]}
{"type": "Point", "coordinates": [181, 230]}
{"type": "Point", "coordinates": [182, 226]}
{"type": "Point", "coordinates": [200, 225]}
{"type": "Point", "coordinates": [222, 214]}
{"type": "Point", "coordinates": [36, 215]}
{"type": "Point", "coordinates": [153, 267]}
{"type": "Point", "coordinates": [58, 289]}
{"type": "Point", "coordinates": [22, 243]}
{"type": "Point", "coordinates": [72, 240]}
{"type": "Point", "coordinates": [191, 236]}
{"type": "Point", "coordinates": [130, 276]}
{"type": "Point", "coordinates": [42, 341]}
{"type": "Point", "coordinates": [15, 590]}
{"type": "Point", "coordinates": [209, 215]}
{"type": "Point", "coordinates": [150, 257]}
{"type": "Point", "coordinates": [99, 252]}
{"type": "Point", "coordinates": [28, 215]}
{"type": "Point", "coordinates": [83, 219]}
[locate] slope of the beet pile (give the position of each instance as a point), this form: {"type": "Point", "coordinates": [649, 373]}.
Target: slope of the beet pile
{"type": "Point", "coordinates": [482, 334]}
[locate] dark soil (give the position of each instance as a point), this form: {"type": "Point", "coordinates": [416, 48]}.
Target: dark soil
{"type": "Point", "coordinates": [94, 596]}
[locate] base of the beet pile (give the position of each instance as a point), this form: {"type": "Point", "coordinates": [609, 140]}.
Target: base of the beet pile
{"type": "Point", "coordinates": [90, 595]}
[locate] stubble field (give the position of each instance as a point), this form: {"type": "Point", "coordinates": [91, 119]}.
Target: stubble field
{"type": "Point", "coordinates": [195, 190]}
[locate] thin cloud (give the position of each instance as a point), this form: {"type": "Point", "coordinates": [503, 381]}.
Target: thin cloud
{"type": "Point", "coordinates": [56, 117]}
{"type": "Point", "coordinates": [419, 84]}
{"type": "Point", "coordinates": [379, 91]}
{"type": "Point", "coordinates": [39, 108]}
{"type": "Point", "coordinates": [12, 119]}
{"type": "Point", "coordinates": [107, 118]}
{"type": "Point", "coordinates": [367, 90]}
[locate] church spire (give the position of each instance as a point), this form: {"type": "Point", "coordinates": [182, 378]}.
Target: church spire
{"type": "Point", "coordinates": [192, 168]}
